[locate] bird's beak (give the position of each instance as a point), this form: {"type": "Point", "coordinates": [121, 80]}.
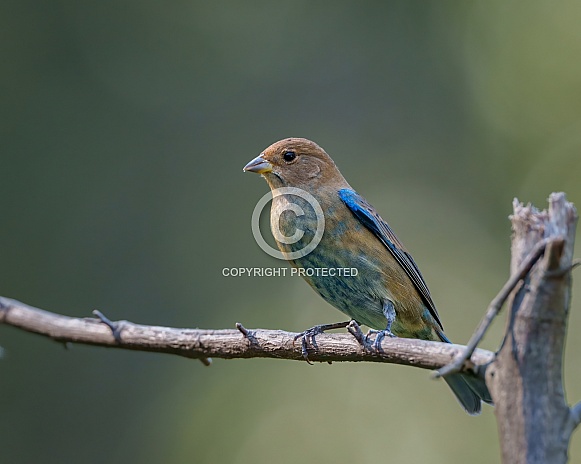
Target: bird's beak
{"type": "Point", "coordinates": [258, 165]}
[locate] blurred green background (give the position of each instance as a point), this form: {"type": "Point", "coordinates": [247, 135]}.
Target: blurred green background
{"type": "Point", "coordinates": [125, 126]}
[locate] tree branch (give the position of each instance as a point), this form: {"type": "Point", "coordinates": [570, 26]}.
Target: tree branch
{"type": "Point", "coordinates": [228, 344]}
{"type": "Point", "coordinates": [526, 377]}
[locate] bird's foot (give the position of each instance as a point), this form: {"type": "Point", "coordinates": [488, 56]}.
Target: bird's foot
{"type": "Point", "coordinates": [379, 336]}
{"type": "Point", "coordinates": [312, 333]}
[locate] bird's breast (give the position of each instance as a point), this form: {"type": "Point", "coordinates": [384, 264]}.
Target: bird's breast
{"type": "Point", "coordinates": [293, 219]}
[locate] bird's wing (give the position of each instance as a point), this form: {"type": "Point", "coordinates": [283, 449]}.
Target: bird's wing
{"type": "Point", "coordinates": [367, 215]}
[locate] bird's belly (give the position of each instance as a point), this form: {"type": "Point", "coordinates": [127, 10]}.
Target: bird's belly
{"type": "Point", "coordinates": [357, 292]}
{"type": "Point", "coordinates": [348, 295]}
{"type": "Point", "coordinates": [376, 277]}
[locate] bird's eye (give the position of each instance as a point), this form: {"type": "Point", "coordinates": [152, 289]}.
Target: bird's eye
{"type": "Point", "coordinates": [289, 156]}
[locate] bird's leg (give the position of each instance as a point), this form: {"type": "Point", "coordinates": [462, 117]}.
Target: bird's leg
{"type": "Point", "coordinates": [312, 332]}
{"type": "Point", "coordinates": [389, 312]}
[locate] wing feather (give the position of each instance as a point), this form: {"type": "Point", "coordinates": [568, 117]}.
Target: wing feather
{"type": "Point", "coordinates": [367, 215]}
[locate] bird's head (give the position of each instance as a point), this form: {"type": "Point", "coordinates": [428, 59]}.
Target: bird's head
{"type": "Point", "coordinates": [296, 162]}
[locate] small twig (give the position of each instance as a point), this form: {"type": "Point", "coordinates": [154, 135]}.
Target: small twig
{"type": "Point", "coordinates": [355, 330]}
{"type": "Point", "coordinates": [459, 363]}
{"type": "Point", "coordinates": [114, 326]}
{"type": "Point", "coordinates": [206, 361]}
{"type": "Point", "coordinates": [248, 334]}
{"type": "Point", "coordinates": [243, 329]}
{"type": "Point", "coordinates": [575, 416]}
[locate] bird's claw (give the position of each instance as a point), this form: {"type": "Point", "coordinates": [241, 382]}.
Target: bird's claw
{"type": "Point", "coordinates": [379, 336]}
{"type": "Point", "coordinates": [355, 329]}
{"type": "Point", "coordinates": [304, 336]}
{"type": "Point", "coordinates": [312, 332]}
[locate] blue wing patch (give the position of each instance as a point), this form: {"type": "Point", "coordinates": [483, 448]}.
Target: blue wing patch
{"type": "Point", "coordinates": [367, 215]}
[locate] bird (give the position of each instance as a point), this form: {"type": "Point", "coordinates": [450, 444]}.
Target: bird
{"type": "Point", "coordinates": [388, 293]}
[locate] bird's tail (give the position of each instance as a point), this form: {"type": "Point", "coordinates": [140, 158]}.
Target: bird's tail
{"type": "Point", "coordinates": [465, 393]}
{"type": "Point", "coordinates": [469, 390]}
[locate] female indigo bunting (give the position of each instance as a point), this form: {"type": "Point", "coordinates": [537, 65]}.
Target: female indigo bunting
{"type": "Point", "coordinates": [388, 293]}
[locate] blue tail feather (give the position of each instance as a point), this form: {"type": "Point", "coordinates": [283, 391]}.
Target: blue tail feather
{"type": "Point", "coordinates": [468, 389]}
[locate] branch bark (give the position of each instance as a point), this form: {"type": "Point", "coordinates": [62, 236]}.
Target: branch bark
{"type": "Point", "coordinates": [203, 344]}
{"type": "Point", "coordinates": [526, 379]}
